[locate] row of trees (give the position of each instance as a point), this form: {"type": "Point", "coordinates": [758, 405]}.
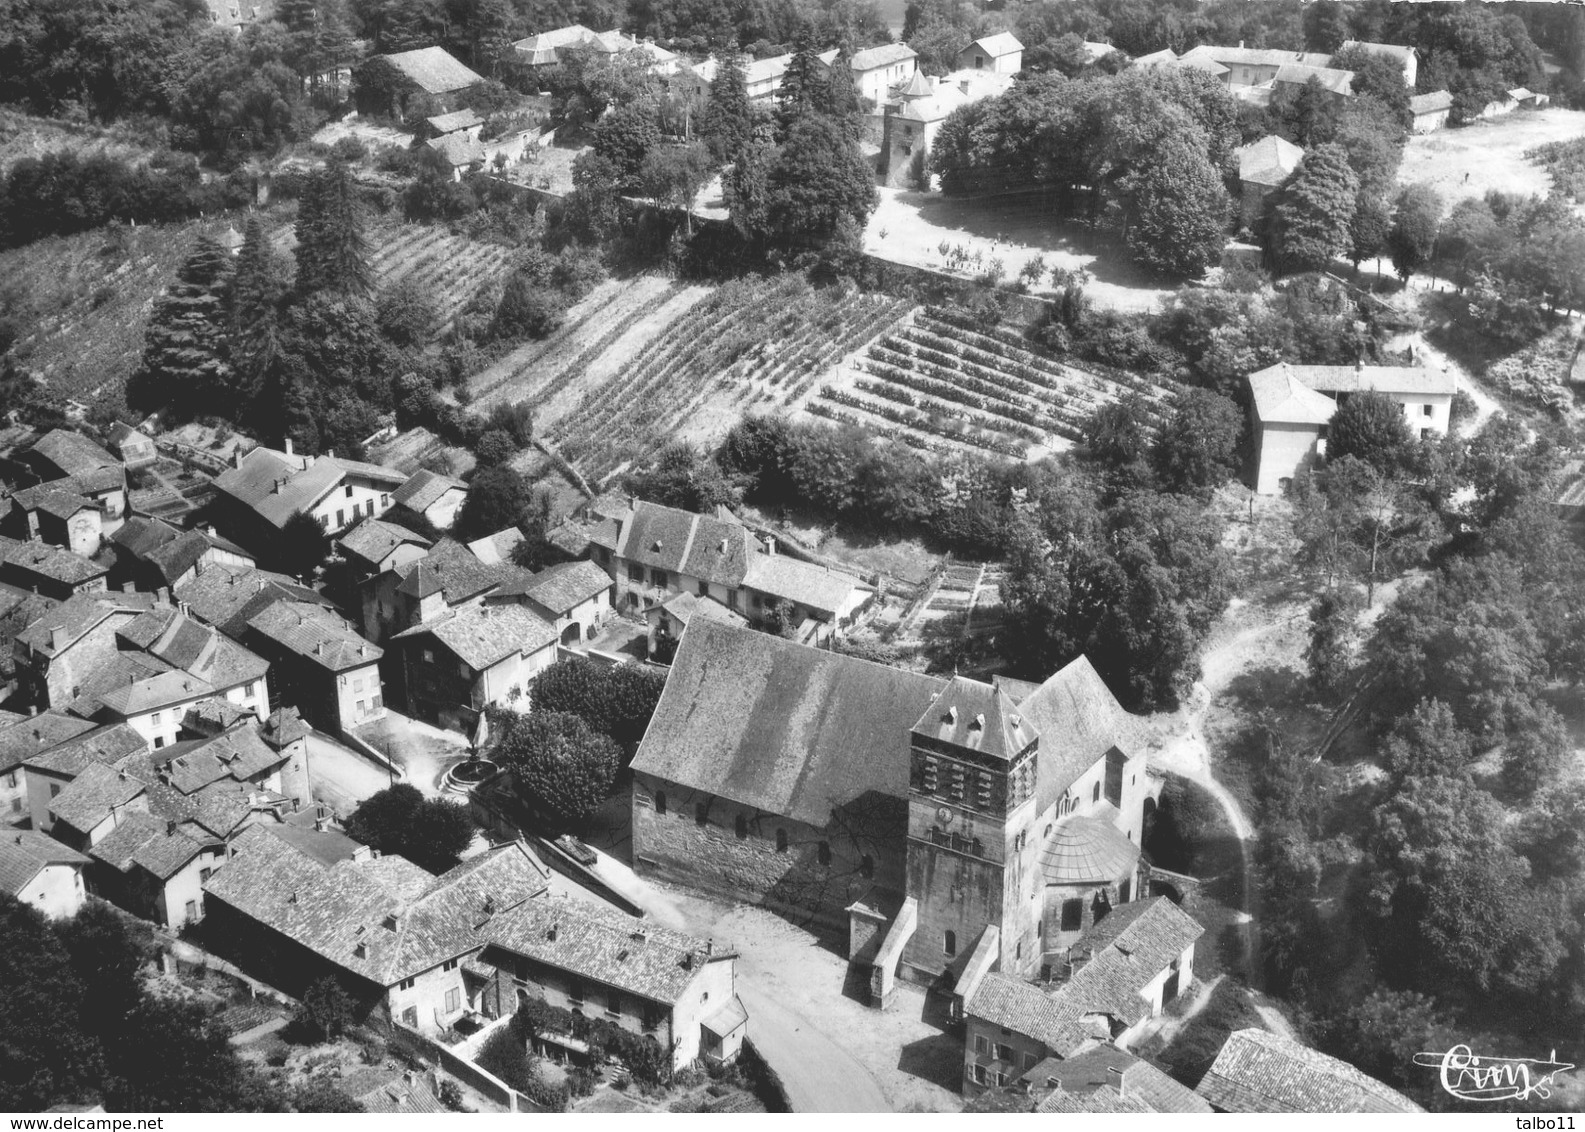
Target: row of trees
{"type": "Point", "coordinates": [1145, 150]}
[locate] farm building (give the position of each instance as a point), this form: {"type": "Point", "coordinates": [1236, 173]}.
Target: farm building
{"type": "Point", "coordinates": [1291, 406]}
{"type": "Point", "coordinates": [461, 153]}
{"type": "Point", "coordinates": [546, 48]}
{"type": "Point", "coordinates": [1405, 57]}
{"type": "Point", "coordinates": [1430, 111]}
{"type": "Point", "coordinates": [1260, 1072]}
{"type": "Point", "coordinates": [876, 70]}
{"type": "Point", "coordinates": [1291, 78]}
{"type": "Point", "coordinates": [933, 818]}
{"type": "Point", "coordinates": [436, 497]}
{"type": "Point", "coordinates": [387, 83]}
{"type": "Point", "coordinates": [261, 491]}
{"type": "Point", "coordinates": [49, 570]}
{"type": "Point", "coordinates": [1251, 66]}
{"type": "Point", "coordinates": [1000, 53]}
{"type": "Point", "coordinates": [1263, 167]}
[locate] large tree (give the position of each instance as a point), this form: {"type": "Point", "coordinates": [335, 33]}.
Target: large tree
{"type": "Point", "coordinates": [728, 123]}
{"type": "Point", "coordinates": [616, 700]}
{"type": "Point", "coordinates": [1415, 224]}
{"type": "Point", "coordinates": [563, 767]}
{"type": "Point", "coordinates": [1313, 211]}
{"type": "Point", "coordinates": [187, 347]}
{"type": "Point", "coordinates": [1177, 206]}
{"type": "Point", "coordinates": [497, 499]}
{"type": "Point", "coordinates": [818, 179]}
{"type": "Point", "coordinates": [1370, 427]}
{"type": "Point", "coordinates": [332, 251]}
{"type": "Point", "coordinates": [1197, 450]}
{"type": "Point", "coordinates": [430, 832]}
{"type": "Point", "coordinates": [256, 294]}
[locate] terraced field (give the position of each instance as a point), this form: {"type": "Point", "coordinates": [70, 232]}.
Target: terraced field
{"type": "Point", "coordinates": [452, 269]}
{"type": "Point", "coordinates": [945, 381]}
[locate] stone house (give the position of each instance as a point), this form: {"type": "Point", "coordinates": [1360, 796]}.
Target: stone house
{"type": "Point", "coordinates": [151, 554]}
{"type": "Point", "coordinates": [321, 665]}
{"type": "Point", "coordinates": [462, 662]}
{"type": "Point", "coordinates": [375, 546]}
{"type": "Point", "coordinates": [1260, 1072]}
{"type": "Point", "coordinates": [436, 497]}
{"type": "Point", "coordinates": [1264, 166]}
{"type": "Point", "coordinates": [61, 452]}
{"type": "Point", "coordinates": [50, 570]}
{"type": "Point", "coordinates": [63, 651]}
{"type": "Point", "coordinates": [911, 118]}
{"type": "Point", "coordinates": [41, 872]}
{"type": "Point", "coordinates": [1250, 66]}
{"type": "Point", "coordinates": [20, 738]}
{"type": "Point", "coordinates": [403, 942]}
{"type": "Point", "coordinates": [262, 490]}
{"type": "Point", "coordinates": [1430, 111]}
{"type": "Point", "coordinates": [596, 961]}
{"type": "Point", "coordinates": [1105, 1078]}
{"type": "Point", "coordinates": [1290, 407]}
{"type": "Point", "coordinates": [983, 807]}
{"type": "Point", "coordinates": [56, 515]}
{"type": "Point", "coordinates": [430, 71]}
{"type": "Point", "coordinates": [574, 597]}
{"type": "Point", "coordinates": [228, 596]}
{"type": "Point", "coordinates": [876, 70]}
{"type": "Point", "coordinates": [1000, 53]}
{"type": "Point", "coordinates": [1129, 966]}
{"type": "Point", "coordinates": [668, 620]}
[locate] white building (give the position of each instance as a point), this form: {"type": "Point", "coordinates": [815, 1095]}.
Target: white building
{"type": "Point", "coordinates": [40, 871]}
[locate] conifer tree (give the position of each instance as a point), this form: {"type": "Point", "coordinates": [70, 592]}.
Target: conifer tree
{"type": "Point", "coordinates": [186, 353]}
{"type": "Point", "coordinates": [318, 36]}
{"type": "Point", "coordinates": [255, 296]}
{"type": "Point", "coordinates": [804, 89]}
{"type": "Point", "coordinates": [728, 126]}
{"type": "Point", "coordinates": [332, 254]}
{"type": "Point", "coordinates": [1314, 210]}
{"type": "Point", "coordinates": [842, 97]}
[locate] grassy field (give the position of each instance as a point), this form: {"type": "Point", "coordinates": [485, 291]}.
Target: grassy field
{"type": "Point", "coordinates": [22, 135]}
{"type": "Point", "coordinates": [1472, 160]}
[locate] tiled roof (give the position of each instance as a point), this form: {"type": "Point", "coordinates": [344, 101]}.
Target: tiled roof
{"type": "Point", "coordinates": [1130, 947]}
{"type": "Point", "coordinates": [96, 482]}
{"type": "Point", "coordinates": [686, 606]}
{"type": "Point", "coordinates": [1430, 103]}
{"type": "Point", "coordinates": [317, 634]}
{"type": "Point", "coordinates": [344, 915]}
{"type": "Point", "coordinates": [1078, 721]}
{"type": "Point", "coordinates": [227, 596]}
{"type": "Point", "coordinates": [327, 846]}
{"type": "Point", "coordinates": [789, 729]}
{"type": "Point", "coordinates": [434, 70]}
{"type": "Point", "coordinates": [55, 499]}
{"type": "Point", "coordinates": [385, 1090]}
{"type": "Point", "coordinates": [1331, 79]}
{"type": "Point", "coordinates": [458, 150]}
{"type": "Point", "coordinates": [1281, 398]}
{"type": "Point", "coordinates": [119, 671]}
{"type": "Point", "coordinates": [19, 609]}
{"type": "Point", "coordinates": [1102, 1068]}
{"type": "Point", "coordinates": [814, 587]}
{"type": "Point", "coordinates": [1256, 56]}
{"type": "Point", "coordinates": [496, 548]}
{"type": "Point", "coordinates": [72, 452]}
{"type": "Point", "coordinates": [1392, 50]}
{"type": "Point", "coordinates": [456, 120]}
{"type": "Point", "coordinates": [563, 587]}
{"type": "Point", "coordinates": [238, 754]}
{"type": "Point", "coordinates": [156, 692]}
{"type": "Point", "coordinates": [1361, 378]}
{"type": "Point", "coordinates": [91, 797]}
{"type": "Point", "coordinates": [140, 535]}
{"type": "Point", "coordinates": [79, 745]}
{"type": "Point", "coordinates": [978, 716]}
{"type": "Point", "coordinates": [1002, 43]}
{"type": "Point", "coordinates": [277, 486]}
{"type": "Point", "coordinates": [197, 649]}
{"type": "Point", "coordinates": [592, 942]}
{"type": "Point", "coordinates": [1087, 849]}
{"type": "Point", "coordinates": [24, 853]}
{"type": "Point", "coordinates": [1104, 1099]}
{"type": "Point", "coordinates": [181, 554]}
{"type": "Point", "coordinates": [77, 615]}
{"type": "Point", "coordinates": [373, 539]}
{"type": "Point", "coordinates": [451, 570]}
{"type": "Point", "coordinates": [121, 432]}
{"type": "Point", "coordinates": [53, 562]}
{"type": "Point", "coordinates": [22, 739]}
{"type": "Point", "coordinates": [883, 56]}
{"type": "Point", "coordinates": [149, 842]}
{"type": "Point", "coordinates": [1268, 161]}
{"type": "Point", "coordinates": [484, 635]}
{"type": "Point", "coordinates": [1260, 1072]}
{"type": "Point", "coordinates": [424, 488]}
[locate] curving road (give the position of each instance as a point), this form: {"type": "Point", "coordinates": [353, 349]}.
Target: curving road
{"type": "Point", "coordinates": [816, 1073]}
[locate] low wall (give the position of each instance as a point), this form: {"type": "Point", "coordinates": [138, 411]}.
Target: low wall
{"type": "Point", "coordinates": [768, 1085]}
{"type": "Point", "coordinates": [552, 855]}
{"type": "Point", "coordinates": [431, 1052]}
{"type": "Point", "coordinates": [362, 747]}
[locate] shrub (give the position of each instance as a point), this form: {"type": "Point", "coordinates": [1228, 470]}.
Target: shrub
{"type": "Point", "coordinates": [326, 1010]}
{"type": "Point", "coordinates": [349, 150]}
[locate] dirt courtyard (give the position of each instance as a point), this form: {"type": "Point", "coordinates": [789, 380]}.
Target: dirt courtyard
{"type": "Point", "coordinates": [1472, 160]}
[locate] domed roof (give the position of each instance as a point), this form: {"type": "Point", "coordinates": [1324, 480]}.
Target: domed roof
{"type": "Point", "coordinates": [1088, 849]}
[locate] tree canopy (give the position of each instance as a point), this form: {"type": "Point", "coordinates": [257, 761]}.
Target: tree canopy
{"type": "Point", "coordinates": [563, 767]}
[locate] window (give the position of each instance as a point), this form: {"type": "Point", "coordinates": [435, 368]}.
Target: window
{"type": "Point", "coordinates": [159, 741]}
{"type": "Point", "coordinates": [613, 1004]}
{"type": "Point", "coordinates": [204, 875]}
{"type": "Point", "coordinates": [660, 802]}
{"type": "Point", "coordinates": [1004, 1053]}
{"type": "Point", "coordinates": [949, 942]}
{"type": "Point", "coordinates": [976, 848]}
{"type": "Point", "coordinates": [453, 1000]}
{"type": "Point", "coordinates": [253, 686]}
{"type": "Point", "coordinates": [363, 707]}
{"type": "Point", "coordinates": [406, 984]}
{"type": "Point", "coordinates": [385, 501]}
{"type": "Point", "coordinates": [54, 789]}
{"type": "Point", "coordinates": [704, 589]}
{"type": "Point", "coordinates": [740, 827]}
{"type": "Point", "coordinates": [701, 813]}
{"type": "Point", "coordinates": [349, 491]}
{"type": "Point", "coordinates": [866, 866]}
{"type": "Point", "coordinates": [192, 911]}
{"type": "Point", "coordinates": [575, 994]}
{"type": "Point", "coordinates": [1425, 434]}
{"type": "Point", "coordinates": [1001, 1079]}
{"type": "Point", "coordinates": [1072, 915]}
{"type": "Point", "coordinates": [658, 577]}
{"type": "Point", "coordinates": [1427, 411]}
{"type": "Point", "coordinates": [781, 841]}
{"type": "Point", "coordinates": [429, 656]}
{"type": "Point", "coordinates": [635, 573]}
{"type": "Point", "coordinates": [825, 852]}
{"type": "Point", "coordinates": [450, 964]}
{"type": "Point", "coordinates": [908, 147]}
{"type": "Point", "coordinates": [1095, 795]}
{"type": "Point", "coordinates": [410, 1017]}
{"type": "Point", "coordinates": [462, 669]}
{"type": "Point", "coordinates": [982, 1044]}
{"type": "Point", "coordinates": [978, 1073]}
{"type": "Point", "coordinates": [341, 517]}
{"type": "Point", "coordinates": [324, 521]}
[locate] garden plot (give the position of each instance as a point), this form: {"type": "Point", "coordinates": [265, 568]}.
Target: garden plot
{"type": "Point", "coordinates": [750, 343]}
{"type": "Point", "coordinates": [946, 381]}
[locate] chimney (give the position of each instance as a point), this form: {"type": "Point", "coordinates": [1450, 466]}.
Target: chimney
{"type": "Point", "coordinates": [182, 608]}
{"type": "Point", "coordinates": [210, 530]}
{"type": "Point", "coordinates": [126, 587]}
{"type": "Point", "coordinates": [170, 828]}
{"type": "Point", "coordinates": [963, 85]}
{"type": "Point", "coordinates": [57, 638]}
{"type": "Point", "coordinates": [952, 715]}
{"type": "Point", "coordinates": [331, 453]}
{"type": "Point", "coordinates": [551, 934]}
{"type": "Point", "coordinates": [289, 439]}
{"type": "Point", "coordinates": [770, 544]}
{"type": "Point", "coordinates": [236, 457]}
{"type": "Point", "coordinates": [709, 946]}
{"type": "Point", "coordinates": [1121, 1080]}
{"type": "Point", "coordinates": [1241, 45]}
{"type": "Point", "coordinates": [165, 594]}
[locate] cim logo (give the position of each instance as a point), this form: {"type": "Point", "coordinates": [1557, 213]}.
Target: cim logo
{"type": "Point", "coordinates": [1486, 1079]}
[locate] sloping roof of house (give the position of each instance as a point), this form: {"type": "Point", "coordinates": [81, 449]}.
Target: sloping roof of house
{"type": "Point", "coordinates": [1380, 379]}
{"type": "Point", "coordinates": [686, 606]}
{"type": "Point", "coordinates": [154, 693]}
{"type": "Point", "coordinates": [1330, 78]}
{"type": "Point", "coordinates": [872, 58]}
{"type": "Point", "coordinates": [1260, 1072]}
{"type": "Point", "coordinates": [1281, 398]}
{"type": "Point", "coordinates": [424, 489]}
{"type": "Point", "coordinates": [1130, 947]}
{"type": "Point", "coordinates": [385, 1090]}
{"type": "Point", "coordinates": [814, 587]}
{"type": "Point", "coordinates": [373, 539]}
{"type": "Point", "coordinates": [149, 842]}
{"type": "Point", "coordinates": [789, 729]}
{"type": "Point", "coordinates": [1105, 1099]}
{"type": "Point", "coordinates": [1268, 161]}
{"type": "Point", "coordinates": [1102, 1068]}
{"type": "Point", "coordinates": [190, 766]}
{"type": "Point", "coordinates": [184, 552]}
{"type": "Point", "coordinates": [979, 716]}
{"type": "Point", "coordinates": [192, 646]}
{"type": "Point", "coordinates": [1088, 849]}
{"type": "Point", "coordinates": [77, 615]}
{"type": "Point", "coordinates": [345, 915]}
{"type": "Point", "coordinates": [1078, 721]}
{"type": "Point", "coordinates": [24, 738]}
{"type": "Point", "coordinates": [1002, 43]}
{"type": "Point", "coordinates": [73, 453]}
{"type": "Point", "coordinates": [124, 667]}
{"type": "Point", "coordinates": [275, 485]}
{"type": "Point", "coordinates": [458, 149]}
{"type": "Point", "coordinates": [226, 596]}
{"type": "Point", "coordinates": [450, 570]}
{"type": "Point", "coordinates": [1157, 58]}
{"type": "Point", "coordinates": [1255, 56]}
{"type": "Point", "coordinates": [1436, 101]}
{"type": "Point", "coordinates": [80, 745]}
{"type": "Point", "coordinates": [316, 634]}
{"type": "Point", "coordinates": [434, 69]}
{"type": "Point", "coordinates": [24, 853]}
{"type": "Point", "coordinates": [54, 563]}
{"type": "Point", "coordinates": [121, 432]}
{"type": "Point", "coordinates": [457, 120]}
{"type": "Point", "coordinates": [141, 534]}
{"type": "Point", "coordinates": [565, 586]}
{"type": "Point", "coordinates": [494, 549]}
{"type": "Point", "coordinates": [634, 955]}
{"type": "Point", "coordinates": [53, 499]}
{"type": "Point", "coordinates": [1394, 50]}
{"type": "Point", "coordinates": [484, 635]}
{"type": "Point", "coordinates": [90, 797]}
{"type": "Point", "coordinates": [711, 547]}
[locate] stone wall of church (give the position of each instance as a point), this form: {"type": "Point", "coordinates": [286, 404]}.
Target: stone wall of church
{"type": "Point", "coordinates": [692, 838]}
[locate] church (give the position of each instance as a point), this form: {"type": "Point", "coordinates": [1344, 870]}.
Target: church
{"type": "Point", "coordinates": [942, 823]}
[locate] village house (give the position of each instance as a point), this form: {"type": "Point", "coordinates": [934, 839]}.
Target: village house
{"type": "Point", "coordinates": [761, 77]}
{"type": "Point", "coordinates": [234, 15]}
{"type": "Point", "coordinates": [429, 71]}
{"type": "Point", "coordinates": [151, 554]}
{"type": "Point", "coordinates": [41, 872]}
{"type": "Point", "coordinates": [495, 549]}
{"type": "Point", "coordinates": [1291, 78]}
{"type": "Point", "coordinates": [375, 546]}
{"type": "Point", "coordinates": [62, 651]}
{"type": "Point", "coordinates": [258, 495]}
{"type": "Point", "coordinates": [575, 597]}
{"type": "Point", "coordinates": [417, 589]}
{"type": "Point", "coordinates": [1291, 405]}
{"type": "Point", "coordinates": [401, 941]}
{"type": "Point", "coordinates": [1128, 967]}
{"type": "Point", "coordinates": [20, 738]}
{"type": "Point", "coordinates": [55, 514]}
{"type": "Point", "coordinates": [668, 620]}
{"type": "Point", "coordinates": [61, 452]}
{"type": "Point", "coordinates": [1000, 53]}
{"type": "Point", "coordinates": [436, 497]}
{"type": "Point", "coordinates": [921, 813]}
{"type": "Point", "coordinates": [384, 1089]}
{"type": "Point", "coordinates": [1260, 1072]}
{"type": "Point", "coordinates": [460, 154]}
{"type": "Point", "coordinates": [603, 964]}
{"type": "Point", "coordinates": [1430, 111]}
{"type": "Point", "coordinates": [466, 122]}
{"type": "Point", "coordinates": [1250, 66]}
{"type": "Point", "coordinates": [1105, 1078]}
{"type": "Point", "coordinates": [913, 114]}
{"type": "Point", "coordinates": [322, 666]}
{"type": "Point", "coordinates": [461, 662]}
{"type": "Point", "coordinates": [1264, 166]}
{"type": "Point", "coordinates": [547, 48]}
{"type": "Point", "coordinates": [50, 570]}
{"type": "Point", "coordinates": [136, 448]}
{"type": "Point", "coordinates": [876, 70]}
{"type": "Point", "coordinates": [228, 596]}
{"type": "Point", "coordinates": [653, 553]}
